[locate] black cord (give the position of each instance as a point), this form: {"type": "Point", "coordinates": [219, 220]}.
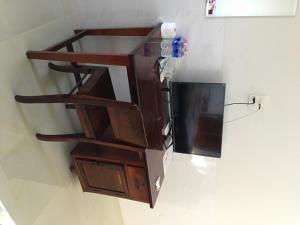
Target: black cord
{"type": "Point", "coordinates": [242, 103]}
{"type": "Point", "coordinates": [242, 117]}
{"type": "Point", "coordinates": [239, 103]}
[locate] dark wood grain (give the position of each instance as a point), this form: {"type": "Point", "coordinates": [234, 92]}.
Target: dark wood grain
{"type": "Point", "coordinates": [109, 154]}
{"type": "Point", "coordinates": [148, 86]}
{"type": "Point", "coordinates": [145, 58]}
{"type": "Point", "coordinates": [82, 138]}
{"type": "Point", "coordinates": [132, 81]}
{"type": "Point", "coordinates": [98, 110]}
{"type": "Point", "coordinates": [62, 98]}
{"type": "Point", "coordinates": [111, 171]}
{"type": "Point", "coordinates": [85, 121]}
{"type": "Point", "coordinates": [103, 177]}
{"type": "Point", "coordinates": [97, 118]}
{"type": "Point", "coordinates": [155, 170]}
{"type": "Point", "coordinates": [98, 58]}
{"type": "Point", "coordinates": [85, 69]}
{"type": "Point", "coordinates": [82, 99]}
{"type": "Point", "coordinates": [137, 184]}
{"type": "Point", "coordinates": [128, 125]}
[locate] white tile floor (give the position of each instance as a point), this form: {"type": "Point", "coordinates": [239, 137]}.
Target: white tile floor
{"type": "Point", "coordinates": [36, 185]}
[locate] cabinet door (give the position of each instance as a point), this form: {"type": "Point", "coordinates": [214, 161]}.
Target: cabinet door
{"type": "Point", "coordinates": [103, 177]}
{"type": "Point", "coordinates": [136, 177]}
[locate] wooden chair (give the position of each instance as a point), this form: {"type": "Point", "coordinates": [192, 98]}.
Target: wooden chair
{"type": "Point", "coordinates": [104, 120]}
{"type": "Point", "coordinates": [107, 58]}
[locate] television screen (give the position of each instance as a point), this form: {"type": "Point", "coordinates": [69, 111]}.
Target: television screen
{"type": "Point", "coordinates": [197, 111]}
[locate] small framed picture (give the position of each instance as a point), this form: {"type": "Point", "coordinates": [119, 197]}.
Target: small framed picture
{"type": "Point", "coordinates": [210, 7]}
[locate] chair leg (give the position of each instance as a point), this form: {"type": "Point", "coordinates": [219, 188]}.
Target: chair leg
{"type": "Point", "coordinates": [64, 98]}
{"type": "Point", "coordinates": [77, 75]}
{"type": "Point", "coordinates": [70, 106]}
{"type": "Point", "coordinates": [82, 138]}
{"type": "Point", "coordinates": [61, 68]}
{"type": "Point", "coordinates": [72, 69]}
{"type": "Point", "coordinates": [60, 137]}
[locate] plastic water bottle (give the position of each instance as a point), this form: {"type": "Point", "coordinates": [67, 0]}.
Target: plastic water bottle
{"type": "Point", "coordinates": [176, 47]}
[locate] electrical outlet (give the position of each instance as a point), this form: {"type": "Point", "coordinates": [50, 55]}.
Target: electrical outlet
{"type": "Point", "coordinates": [259, 101]}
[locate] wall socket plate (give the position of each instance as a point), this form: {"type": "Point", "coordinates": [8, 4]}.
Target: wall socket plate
{"type": "Point", "coordinates": [260, 101]}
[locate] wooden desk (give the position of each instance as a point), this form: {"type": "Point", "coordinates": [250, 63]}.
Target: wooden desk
{"type": "Point", "coordinates": [133, 173]}
{"type": "Point", "coordinates": [150, 101]}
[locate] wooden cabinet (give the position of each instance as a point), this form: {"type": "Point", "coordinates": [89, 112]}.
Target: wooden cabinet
{"type": "Point", "coordinates": [103, 177]}
{"type": "Point", "coordinates": [111, 171]}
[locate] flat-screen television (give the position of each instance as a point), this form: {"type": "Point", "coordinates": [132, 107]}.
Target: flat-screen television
{"type": "Point", "coordinates": [197, 110]}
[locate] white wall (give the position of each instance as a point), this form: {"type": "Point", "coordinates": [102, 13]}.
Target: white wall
{"type": "Point", "coordinates": [257, 180]}
{"type": "Point", "coordinates": [258, 176]}
{"type": "Point", "coordinates": [255, 7]}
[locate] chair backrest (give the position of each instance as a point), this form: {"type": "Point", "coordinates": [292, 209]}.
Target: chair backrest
{"type": "Point", "coordinates": [95, 119]}
{"type": "Point", "coordinates": [98, 109]}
